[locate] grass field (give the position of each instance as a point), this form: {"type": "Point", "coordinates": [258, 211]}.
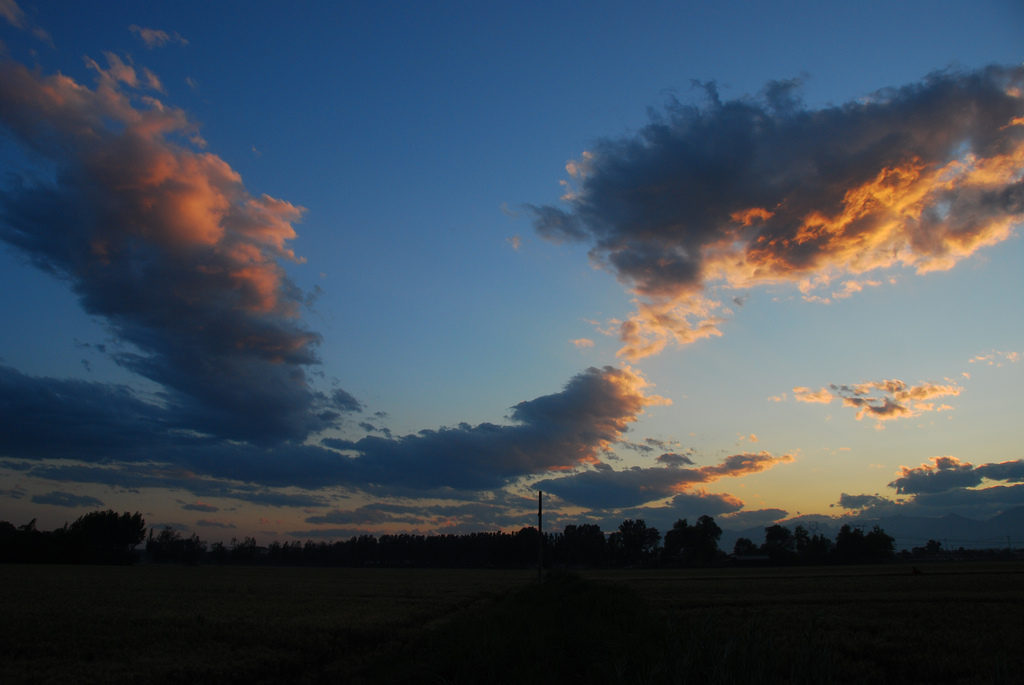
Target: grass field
{"type": "Point", "coordinates": [953, 623]}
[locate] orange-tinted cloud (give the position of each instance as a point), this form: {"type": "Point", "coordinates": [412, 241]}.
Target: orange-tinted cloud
{"type": "Point", "coordinates": [893, 399]}
{"type": "Point", "coordinates": [822, 396]}
{"type": "Point", "coordinates": [743, 464]}
{"type": "Point", "coordinates": [162, 240]}
{"type": "Point", "coordinates": [749, 192]}
{"type": "Point", "coordinates": [996, 358]}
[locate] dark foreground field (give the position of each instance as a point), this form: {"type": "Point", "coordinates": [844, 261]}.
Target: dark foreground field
{"type": "Point", "coordinates": [953, 623]}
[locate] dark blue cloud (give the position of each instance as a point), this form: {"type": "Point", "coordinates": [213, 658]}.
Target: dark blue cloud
{"type": "Point", "coordinates": [120, 440]}
{"type": "Point", "coordinates": [67, 499]}
{"type": "Point", "coordinates": [555, 431]}
{"type": "Point", "coordinates": [949, 473]}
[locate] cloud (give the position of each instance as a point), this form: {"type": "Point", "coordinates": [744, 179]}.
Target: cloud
{"type": "Point", "coordinates": [200, 506]}
{"type": "Point", "coordinates": [673, 459]}
{"type": "Point", "coordinates": [699, 502]}
{"type": "Point", "coordinates": [583, 342]}
{"type": "Point", "coordinates": [498, 512]}
{"type": "Point", "coordinates": [888, 400]}
{"type": "Point", "coordinates": [155, 38]}
{"type": "Point", "coordinates": [949, 473]}
{"type": "Point", "coordinates": [123, 441]}
{"type": "Point", "coordinates": [214, 524]}
{"type": "Point", "coordinates": [66, 499]}
{"type": "Point", "coordinates": [947, 484]}
{"type": "Point", "coordinates": [822, 396]}
{"type": "Point", "coordinates": [885, 400]}
{"type": "Point", "coordinates": [552, 432]}
{"type": "Point", "coordinates": [15, 16]}
{"type": "Point", "coordinates": [991, 500]}
{"type": "Point", "coordinates": [995, 358]}
{"type": "Point", "coordinates": [763, 190]}
{"type": "Point", "coordinates": [606, 488]}
{"type": "Point", "coordinates": [751, 518]}
{"type": "Point", "coordinates": [862, 501]}
{"type": "Point", "coordinates": [163, 242]}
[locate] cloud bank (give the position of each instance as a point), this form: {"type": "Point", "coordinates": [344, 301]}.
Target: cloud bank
{"type": "Point", "coordinates": [949, 473]}
{"type": "Point", "coordinates": [947, 483]}
{"type": "Point", "coordinates": [122, 441]}
{"type": "Point", "coordinates": [554, 432]}
{"type": "Point", "coordinates": [764, 190]}
{"type": "Point", "coordinates": [606, 488]}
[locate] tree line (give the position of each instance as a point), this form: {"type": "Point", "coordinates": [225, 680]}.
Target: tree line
{"type": "Point", "coordinates": [100, 537]}
{"type": "Point", "coordinates": [112, 538]}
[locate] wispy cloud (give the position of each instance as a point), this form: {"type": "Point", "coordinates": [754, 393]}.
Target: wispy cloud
{"type": "Point", "coordinates": [15, 16]}
{"type": "Point", "coordinates": [764, 190]}
{"type": "Point", "coordinates": [155, 38]}
{"type": "Point", "coordinates": [67, 499]}
{"type": "Point", "coordinates": [996, 358]}
{"type": "Point", "coordinates": [200, 506]}
{"type": "Point", "coordinates": [801, 394]}
{"type": "Point", "coordinates": [206, 523]}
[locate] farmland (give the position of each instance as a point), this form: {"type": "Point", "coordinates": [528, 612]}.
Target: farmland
{"type": "Point", "coordinates": [952, 623]}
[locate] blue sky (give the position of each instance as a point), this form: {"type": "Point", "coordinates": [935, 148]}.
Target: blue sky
{"type": "Point", "coordinates": [315, 271]}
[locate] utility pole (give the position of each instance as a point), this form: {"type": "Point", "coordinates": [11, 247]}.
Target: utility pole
{"type": "Point", "coordinates": [540, 536]}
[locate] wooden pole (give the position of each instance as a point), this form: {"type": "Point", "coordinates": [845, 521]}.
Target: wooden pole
{"type": "Point", "coordinates": [540, 537]}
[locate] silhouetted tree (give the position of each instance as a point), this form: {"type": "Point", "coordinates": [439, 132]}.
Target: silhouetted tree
{"type": "Point", "coordinates": [744, 547]}
{"type": "Point", "coordinates": [243, 551]}
{"type": "Point", "coordinates": [696, 544]}
{"type": "Point", "coordinates": [170, 546]}
{"type": "Point", "coordinates": [634, 542]}
{"type": "Point", "coordinates": [852, 545]}
{"type": "Point", "coordinates": [779, 544]}
{"type": "Point", "coordinates": [802, 540]}
{"type": "Point", "coordinates": [817, 550]}
{"type": "Point", "coordinates": [584, 544]}
{"type": "Point", "coordinates": [878, 546]}
{"type": "Point", "coordinates": [106, 537]}
{"type": "Point", "coordinates": [218, 552]}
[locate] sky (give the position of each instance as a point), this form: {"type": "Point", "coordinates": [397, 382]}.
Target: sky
{"type": "Point", "coordinates": [308, 271]}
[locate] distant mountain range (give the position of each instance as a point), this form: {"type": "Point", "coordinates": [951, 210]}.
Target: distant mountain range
{"type": "Point", "coordinates": [953, 531]}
